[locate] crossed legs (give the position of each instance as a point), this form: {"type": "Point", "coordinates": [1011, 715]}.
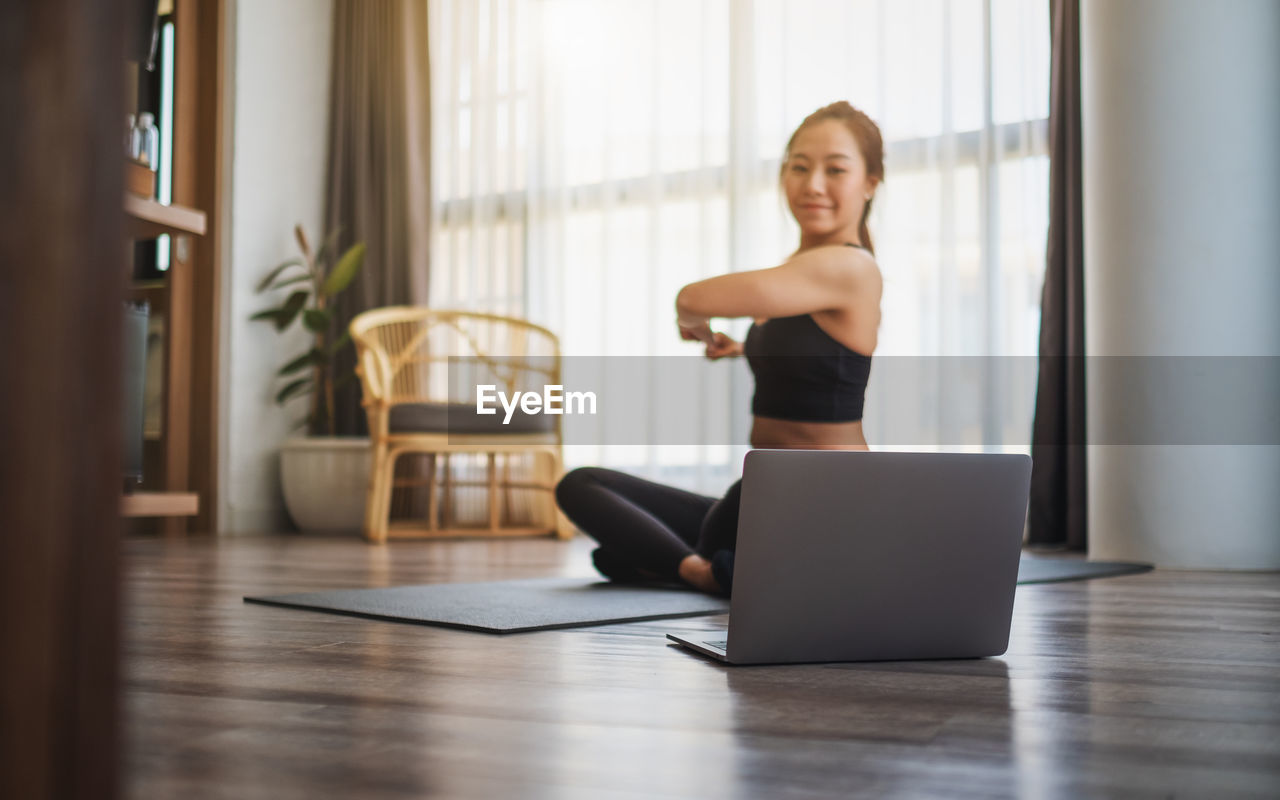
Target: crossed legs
{"type": "Point", "coordinates": [649, 529]}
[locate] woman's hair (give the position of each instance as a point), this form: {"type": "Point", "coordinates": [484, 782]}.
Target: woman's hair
{"type": "Point", "coordinates": [867, 136]}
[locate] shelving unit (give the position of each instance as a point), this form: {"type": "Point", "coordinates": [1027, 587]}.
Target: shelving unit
{"type": "Point", "coordinates": [160, 504]}
{"type": "Point", "coordinates": [147, 219]}
{"type": "Point", "coordinates": [180, 457]}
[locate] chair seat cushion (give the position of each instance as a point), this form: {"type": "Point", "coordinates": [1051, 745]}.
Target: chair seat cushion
{"type": "Point", "coordinates": [461, 418]}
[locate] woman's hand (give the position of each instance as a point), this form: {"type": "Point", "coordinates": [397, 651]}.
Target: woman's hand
{"type": "Point", "coordinates": [721, 346]}
{"type": "Point", "coordinates": [695, 329]}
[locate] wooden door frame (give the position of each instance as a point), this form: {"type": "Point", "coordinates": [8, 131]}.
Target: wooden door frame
{"type": "Point", "coordinates": [195, 284]}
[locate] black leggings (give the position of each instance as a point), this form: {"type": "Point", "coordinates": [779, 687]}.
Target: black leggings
{"type": "Point", "coordinates": [645, 524]}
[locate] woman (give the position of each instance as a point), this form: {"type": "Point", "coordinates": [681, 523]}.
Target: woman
{"type": "Point", "coordinates": [816, 320]}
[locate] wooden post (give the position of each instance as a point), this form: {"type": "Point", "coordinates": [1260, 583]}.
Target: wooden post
{"type": "Point", "coordinates": [62, 286]}
{"type": "Point", "coordinates": [198, 165]}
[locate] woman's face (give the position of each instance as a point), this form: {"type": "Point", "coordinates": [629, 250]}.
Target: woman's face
{"type": "Point", "coordinates": [825, 179]}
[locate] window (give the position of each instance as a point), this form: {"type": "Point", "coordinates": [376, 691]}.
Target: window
{"type": "Point", "coordinates": [591, 158]}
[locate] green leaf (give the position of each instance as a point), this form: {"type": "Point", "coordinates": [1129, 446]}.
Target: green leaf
{"type": "Point", "coordinates": [340, 342]}
{"type": "Point", "coordinates": [292, 281]}
{"type": "Point", "coordinates": [345, 271]}
{"type": "Point", "coordinates": [293, 389]}
{"type": "Point", "coordinates": [310, 358]}
{"type": "Point", "coordinates": [270, 313]}
{"type": "Point", "coordinates": [317, 320]}
{"type": "Point", "coordinates": [265, 283]}
{"type": "Point", "coordinates": [290, 309]}
{"type": "Point", "coordinates": [330, 243]}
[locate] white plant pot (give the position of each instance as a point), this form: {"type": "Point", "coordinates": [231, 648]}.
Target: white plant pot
{"type": "Point", "coordinates": [324, 480]}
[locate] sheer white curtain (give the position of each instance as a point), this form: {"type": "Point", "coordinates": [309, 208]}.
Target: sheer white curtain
{"type": "Point", "coordinates": [592, 157]}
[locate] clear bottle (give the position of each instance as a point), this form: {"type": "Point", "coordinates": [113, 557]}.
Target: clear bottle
{"type": "Point", "coordinates": [131, 136]}
{"type": "Point", "coordinates": [150, 137]}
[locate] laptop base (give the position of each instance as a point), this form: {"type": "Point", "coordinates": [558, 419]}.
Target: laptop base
{"type": "Point", "coordinates": [704, 644]}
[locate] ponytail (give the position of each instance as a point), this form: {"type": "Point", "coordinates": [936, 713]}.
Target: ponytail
{"type": "Point", "coordinates": [864, 233]}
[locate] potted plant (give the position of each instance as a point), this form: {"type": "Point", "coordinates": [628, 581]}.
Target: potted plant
{"type": "Point", "coordinates": [323, 475]}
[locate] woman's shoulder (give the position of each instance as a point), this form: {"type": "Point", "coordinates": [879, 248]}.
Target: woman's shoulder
{"type": "Point", "coordinates": [857, 253]}
{"type": "Point", "coordinates": [835, 255]}
{"type": "Point", "coordinates": [849, 271]}
{"type": "Point", "coordinates": [861, 264]}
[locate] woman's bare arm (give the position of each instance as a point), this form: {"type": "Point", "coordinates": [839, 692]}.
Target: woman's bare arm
{"type": "Point", "coordinates": [820, 279]}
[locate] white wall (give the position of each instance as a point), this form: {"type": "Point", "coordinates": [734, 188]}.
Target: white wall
{"type": "Point", "coordinates": [1181, 165]}
{"type": "Point", "coordinates": [278, 102]}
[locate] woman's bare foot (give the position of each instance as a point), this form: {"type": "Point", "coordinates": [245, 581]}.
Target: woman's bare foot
{"type": "Point", "coordinates": [696, 571]}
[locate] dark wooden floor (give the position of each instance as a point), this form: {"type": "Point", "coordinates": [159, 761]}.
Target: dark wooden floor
{"type": "Point", "coordinates": [1161, 685]}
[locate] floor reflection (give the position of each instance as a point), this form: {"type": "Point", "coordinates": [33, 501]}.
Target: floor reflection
{"type": "Point", "coordinates": [848, 723]}
{"type": "Point", "coordinates": [1152, 683]}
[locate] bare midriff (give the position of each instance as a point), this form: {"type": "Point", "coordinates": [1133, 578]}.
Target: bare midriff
{"type": "Point", "coordinates": [784, 434]}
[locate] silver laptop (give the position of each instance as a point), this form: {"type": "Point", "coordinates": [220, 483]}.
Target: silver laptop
{"type": "Point", "coordinates": [867, 556]}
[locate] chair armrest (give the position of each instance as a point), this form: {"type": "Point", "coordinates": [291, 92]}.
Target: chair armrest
{"type": "Point", "coordinates": [375, 373]}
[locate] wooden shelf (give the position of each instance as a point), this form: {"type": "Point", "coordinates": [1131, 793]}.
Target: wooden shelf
{"type": "Point", "coordinates": [160, 504]}
{"type": "Point", "coordinates": [148, 219]}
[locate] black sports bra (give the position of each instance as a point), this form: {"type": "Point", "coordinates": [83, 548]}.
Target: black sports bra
{"type": "Point", "coordinates": [804, 375]}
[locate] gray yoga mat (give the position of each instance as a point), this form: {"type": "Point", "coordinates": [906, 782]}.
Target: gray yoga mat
{"type": "Point", "coordinates": [510, 606]}
{"type": "Point", "coordinates": [1041, 569]}
{"type": "Point", "coordinates": [548, 603]}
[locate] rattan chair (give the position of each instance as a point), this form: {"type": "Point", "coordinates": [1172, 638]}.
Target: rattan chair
{"type": "Point", "coordinates": [419, 369]}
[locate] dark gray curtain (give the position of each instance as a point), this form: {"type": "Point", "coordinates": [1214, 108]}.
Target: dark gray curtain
{"type": "Point", "coordinates": [1058, 510]}
{"type": "Point", "coordinates": [379, 164]}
